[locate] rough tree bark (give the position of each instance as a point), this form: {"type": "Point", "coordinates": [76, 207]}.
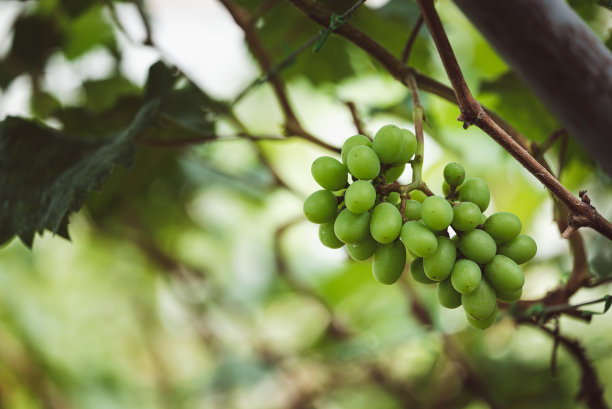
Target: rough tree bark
{"type": "Point", "coordinates": [560, 59]}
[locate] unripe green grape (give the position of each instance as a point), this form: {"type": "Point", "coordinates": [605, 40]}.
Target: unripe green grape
{"type": "Point", "coordinates": [363, 163]}
{"type": "Point", "coordinates": [412, 210]}
{"type": "Point", "coordinates": [327, 235]}
{"type": "Point", "coordinates": [478, 246]}
{"type": "Point", "coordinates": [480, 302]}
{"type": "Point", "coordinates": [385, 223]}
{"type": "Point", "coordinates": [417, 272]}
{"type": "Point", "coordinates": [418, 239]}
{"type": "Point", "coordinates": [363, 249]}
{"type": "Point", "coordinates": [321, 206]}
{"type": "Point", "coordinates": [437, 213]}
{"type": "Point", "coordinates": [352, 228]}
{"type": "Point", "coordinates": [447, 295]}
{"type": "Point", "coordinates": [389, 262]}
{"type": "Point", "coordinates": [485, 322]}
{"type": "Point", "coordinates": [502, 226]}
{"type": "Point", "coordinates": [483, 218]}
{"type": "Point", "coordinates": [509, 297]}
{"type": "Point", "coordinates": [329, 173]}
{"type": "Point", "coordinates": [521, 250]}
{"type": "Point", "coordinates": [388, 143]}
{"type": "Point", "coordinates": [395, 199]}
{"type": "Point", "coordinates": [418, 196]}
{"type": "Point", "coordinates": [454, 174]}
{"type": "Point", "coordinates": [466, 216]}
{"type": "Point", "coordinates": [466, 276]}
{"type": "Point", "coordinates": [394, 172]}
{"type": "Point", "coordinates": [351, 142]}
{"type": "Point", "coordinates": [408, 147]}
{"type": "Point", "coordinates": [360, 196]}
{"type": "Point", "coordinates": [446, 190]}
{"type": "Point", "coordinates": [504, 274]}
{"type": "Point", "coordinates": [439, 264]}
{"type": "Point", "coordinates": [475, 190]}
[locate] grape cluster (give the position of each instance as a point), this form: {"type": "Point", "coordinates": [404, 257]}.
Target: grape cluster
{"type": "Point", "coordinates": [373, 216]}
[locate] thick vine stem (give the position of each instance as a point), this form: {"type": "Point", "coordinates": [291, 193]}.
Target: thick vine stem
{"type": "Point", "coordinates": [582, 214]}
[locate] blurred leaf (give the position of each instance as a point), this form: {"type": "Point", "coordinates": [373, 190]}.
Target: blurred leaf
{"type": "Point", "coordinates": [84, 33]}
{"type": "Point", "coordinates": [76, 7]}
{"type": "Point", "coordinates": [43, 104]}
{"type": "Point", "coordinates": [101, 95]}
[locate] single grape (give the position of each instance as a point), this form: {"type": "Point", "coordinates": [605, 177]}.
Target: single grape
{"type": "Point", "coordinates": [466, 216]}
{"type": "Point", "coordinates": [351, 142]}
{"type": "Point", "coordinates": [502, 226]}
{"type": "Point", "coordinates": [321, 206]}
{"type": "Point", "coordinates": [418, 239]}
{"type": "Point", "coordinates": [352, 228]}
{"type": "Point", "coordinates": [408, 147]}
{"type": "Point", "coordinates": [447, 295]}
{"type": "Point", "coordinates": [395, 199]}
{"type": "Point", "coordinates": [329, 173]}
{"type": "Point", "coordinates": [509, 297]}
{"type": "Point", "coordinates": [483, 218]}
{"type": "Point", "coordinates": [363, 249]}
{"type": "Point", "coordinates": [418, 196]}
{"type": "Point", "coordinates": [466, 276]}
{"type": "Point", "coordinates": [388, 143]}
{"type": "Point", "coordinates": [417, 272]}
{"type": "Point", "coordinates": [480, 302]}
{"type": "Point", "coordinates": [446, 190]}
{"type": "Point", "coordinates": [389, 262]}
{"type": "Point", "coordinates": [504, 274]}
{"type": "Point", "coordinates": [412, 210]}
{"type": "Point", "coordinates": [327, 235]}
{"type": "Point", "coordinates": [394, 172]}
{"type": "Point", "coordinates": [437, 213]}
{"type": "Point", "coordinates": [360, 196]}
{"type": "Point", "coordinates": [486, 322]}
{"type": "Point", "coordinates": [475, 190]}
{"type": "Point", "coordinates": [454, 174]}
{"type": "Point", "coordinates": [439, 264]}
{"type": "Point", "coordinates": [478, 246]}
{"type": "Point", "coordinates": [363, 163]}
{"type": "Point", "coordinates": [521, 250]}
{"type": "Point", "coordinates": [385, 223]}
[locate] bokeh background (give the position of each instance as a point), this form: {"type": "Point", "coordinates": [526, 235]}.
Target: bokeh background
{"type": "Point", "coordinates": [193, 280]}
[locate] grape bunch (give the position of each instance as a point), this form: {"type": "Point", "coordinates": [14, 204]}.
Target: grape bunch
{"type": "Point", "coordinates": [376, 216]}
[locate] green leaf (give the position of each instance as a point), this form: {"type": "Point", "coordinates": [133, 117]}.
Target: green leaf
{"type": "Point", "coordinates": [84, 33]}
{"type": "Point", "coordinates": [45, 174]}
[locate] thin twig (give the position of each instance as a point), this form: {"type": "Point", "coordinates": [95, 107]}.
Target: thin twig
{"type": "Point", "coordinates": [356, 120]}
{"type": "Point", "coordinates": [410, 43]}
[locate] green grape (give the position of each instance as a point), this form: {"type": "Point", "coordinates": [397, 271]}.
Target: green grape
{"type": "Point", "coordinates": [351, 142]}
{"type": "Point", "coordinates": [466, 216]}
{"type": "Point", "coordinates": [388, 143]}
{"type": "Point", "coordinates": [352, 228]}
{"type": "Point", "coordinates": [502, 226]}
{"type": "Point", "coordinates": [454, 174]}
{"type": "Point", "coordinates": [477, 245]}
{"type": "Point", "coordinates": [412, 210]}
{"type": "Point", "coordinates": [327, 235]}
{"type": "Point", "coordinates": [486, 322]}
{"type": "Point", "coordinates": [363, 163]}
{"type": "Point", "coordinates": [363, 249]}
{"type": "Point", "coordinates": [321, 206]}
{"type": "Point", "coordinates": [480, 302]}
{"type": "Point", "coordinates": [509, 297]}
{"type": "Point", "coordinates": [394, 172]}
{"type": "Point", "coordinates": [389, 262]}
{"type": "Point", "coordinates": [504, 274]}
{"type": "Point", "coordinates": [417, 272]}
{"type": "Point", "coordinates": [395, 199]}
{"type": "Point", "coordinates": [446, 190]}
{"type": "Point", "coordinates": [521, 250]}
{"type": "Point", "coordinates": [483, 218]}
{"type": "Point", "coordinates": [418, 196]}
{"type": "Point", "coordinates": [418, 239]}
{"type": "Point", "coordinates": [447, 295]}
{"type": "Point", "coordinates": [329, 173]}
{"type": "Point", "coordinates": [466, 276]}
{"type": "Point", "coordinates": [439, 264]}
{"type": "Point", "coordinates": [437, 213]}
{"type": "Point", "coordinates": [408, 147]}
{"type": "Point", "coordinates": [475, 190]}
{"type": "Point", "coordinates": [360, 196]}
{"type": "Point", "coordinates": [385, 223]}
